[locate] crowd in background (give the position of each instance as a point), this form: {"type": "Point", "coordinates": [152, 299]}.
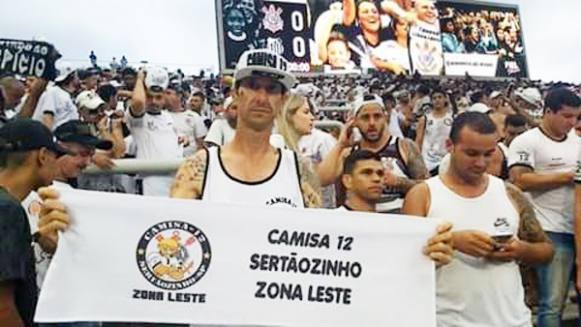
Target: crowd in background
{"type": "Point", "coordinates": [151, 114]}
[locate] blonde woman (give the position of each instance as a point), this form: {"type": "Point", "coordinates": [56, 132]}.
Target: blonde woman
{"type": "Point", "coordinates": [295, 125]}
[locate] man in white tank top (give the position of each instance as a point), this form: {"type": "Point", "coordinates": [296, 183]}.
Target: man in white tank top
{"type": "Point", "coordinates": [433, 131]}
{"type": "Point", "coordinates": [248, 170]}
{"type": "Point", "coordinates": [494, 228]}
{"type": "Point", "coordinates": [542, 162]}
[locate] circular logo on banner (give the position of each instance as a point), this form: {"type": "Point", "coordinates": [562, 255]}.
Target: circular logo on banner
{"type": "Point", "coordinates": [173, 255]}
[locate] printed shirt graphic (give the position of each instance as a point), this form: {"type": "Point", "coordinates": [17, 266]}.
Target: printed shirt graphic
{"type": "Point", "coordinates": [426, 49]}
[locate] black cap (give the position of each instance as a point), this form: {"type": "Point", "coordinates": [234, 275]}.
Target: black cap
{"type": "Point", "coordinates": [28, 135]}
{"type": "Point", "coordinates": [76, 131]}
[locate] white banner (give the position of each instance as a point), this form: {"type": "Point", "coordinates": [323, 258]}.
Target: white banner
{"type": "Point", "coordinates": [143, 259]}
{"type": "Point", "coordinates": [458, 64]}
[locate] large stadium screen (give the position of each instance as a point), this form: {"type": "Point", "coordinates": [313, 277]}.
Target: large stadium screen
{"type": "Point", "coordinates": [482, 39]}
{"type": "Point", "coordinates": [397, 36]}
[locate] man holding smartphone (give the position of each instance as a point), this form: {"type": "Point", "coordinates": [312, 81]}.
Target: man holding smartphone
{"type": "Point", "coordinates": [494, 228]}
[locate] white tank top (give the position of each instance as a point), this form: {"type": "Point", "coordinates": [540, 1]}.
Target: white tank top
{"type": "Point", "coordinates": [281, 189]}
{"type": "Point", "coordinates": [474, 292]}
{"type": "Point", "coordinates": [437, 131]}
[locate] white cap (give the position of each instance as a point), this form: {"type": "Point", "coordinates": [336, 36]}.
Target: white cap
{"type": "Point", "coordinates": [479, 107]}
{"type": "Point", "coordinates": [228, 102]}
{"type": "Point", "coordinates": [532, 96]}
{"type": "Point", "coordinates": [264, 62]}
{"type": "Point", "coordinates": [495, 94]}
{"type": "Point", "coordinates": [64, 70]}
{"type": "Point", "coordinates": [89, 100]}
{"type": "Point", "coordinates": [156, 79]}
{"type": "Point", "coordinates": [365, 100]}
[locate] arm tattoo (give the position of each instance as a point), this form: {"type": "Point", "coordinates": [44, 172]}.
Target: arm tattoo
{"type": "Point", "coordinates": [415, 162]}
{"type": "Point", "coordinates": [530, 229]}
{"type": "Point", "coordinates": [310, 185]}
{"type": "Point", "coordinates": [189, 179]}
{"type": "Point", "coordinates": [416, 167]}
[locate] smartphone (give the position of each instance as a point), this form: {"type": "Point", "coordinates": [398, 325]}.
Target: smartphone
{"type": "Point", "coordinates": [502, 239]}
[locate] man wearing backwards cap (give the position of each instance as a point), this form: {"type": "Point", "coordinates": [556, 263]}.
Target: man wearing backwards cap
{"type": "Point", "coordinates": [152, 128]}
{"type": "Point", "coordinates": [28, 160]}
{"type": "Point", "coordinates": [400, 156]}
{"type": "Point", "coordinates": [248, 169]}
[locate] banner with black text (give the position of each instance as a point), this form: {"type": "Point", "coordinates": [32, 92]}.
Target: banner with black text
{"type": "Point", "coordinates": [128, 258]}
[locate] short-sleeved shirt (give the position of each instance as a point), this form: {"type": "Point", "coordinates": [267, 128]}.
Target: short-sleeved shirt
{"type": "Point", "coordinates": [17, 256]}
{"type": "Point", "coordinates": [316, 146]}
{"type": "Point", "coordinates": [155, 137]}
{"type": "Point", "coordinates": [220, 132]}
{"type": "Point", "coordinates": [191, 125]}
{"type": "Point", "coordinates": [57, 102]}
{"type": "Point", "coordinates": [544, 155]}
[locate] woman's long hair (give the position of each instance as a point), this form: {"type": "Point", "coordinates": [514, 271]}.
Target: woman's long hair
{"type": "Point", "coordinates": [284, 124]}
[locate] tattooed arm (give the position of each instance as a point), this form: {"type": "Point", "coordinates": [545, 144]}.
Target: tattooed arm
{"type": "Point", "coordinates": [310, 185]}
{"type": "Point", "coordinates": [415, 163]}
{"type": "Point", "coordinates": [189, 180]}
{"type": "Point", "coordinates": [532, 246]}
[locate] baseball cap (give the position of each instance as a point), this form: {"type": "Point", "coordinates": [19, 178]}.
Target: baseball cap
{"type": "Point", "coordinates": [263, 62]}
{"type": "Point", "coordinates": [531, 95]}
{"type": "Point", "coordinates": [495, 94]}
{"type": "Point", "coordinates": [89, 100]}
{"type": "Point", "coordinates": [80, 132]}
{"type": "Point", "coordinates": [86, 73]}
{"type": "Point", "coordinates": [156, 79]}
{"type": "Point", "coordinates": [63, 72]}
{"type": "Point", "coordinates": [228, 102]}
{"type": "Point", "coordinates": [479, 107]}
{"type": "Point", "coordinates": [365, 100]}
{"type": "Point", "coordinates": [28, 135]}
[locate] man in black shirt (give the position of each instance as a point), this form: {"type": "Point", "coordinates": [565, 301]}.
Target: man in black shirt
{"type": "Point", "coordinates": [27, 162]}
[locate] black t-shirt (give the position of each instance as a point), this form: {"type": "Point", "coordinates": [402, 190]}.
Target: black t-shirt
{"type": "Point", "coordinates": [17, 256]}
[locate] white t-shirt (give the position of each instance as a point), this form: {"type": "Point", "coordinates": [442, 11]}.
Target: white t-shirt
{"type": "Point", "coordinates": [554, 208]}
{"type": "Point", "coordinates": [32, 205]}
{"type": "Point", "coordinates": [394, 127]}
{"type": "Point", "coordinates": [155, 137]}
{"type": "Point", "coordinates": [57, 101]}
{"type": "Point", "coordinates": [393, 52]}
{"type": "Point", "coordinates": [220, 132]}
{"type": "Point", "coordinates": [189, 124]}
{"type": "Point", "coordinates": [316, 146]}
{"type": "Point", "coordinates": [437, 131]}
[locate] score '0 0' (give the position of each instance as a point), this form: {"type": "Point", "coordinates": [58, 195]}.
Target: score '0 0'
{"type": "Point", "coordinates": [298, 25]}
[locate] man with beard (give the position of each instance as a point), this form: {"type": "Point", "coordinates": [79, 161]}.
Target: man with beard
{"type": "Point", "coordinates": [400, 156]}
{"type": "Point", "coordinates": [152, 127]}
